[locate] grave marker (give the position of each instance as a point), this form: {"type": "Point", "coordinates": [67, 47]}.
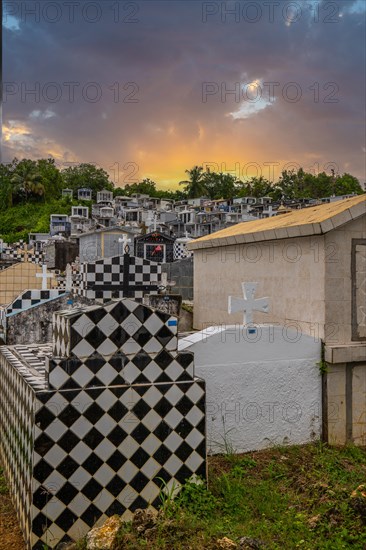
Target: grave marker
{"type": "Point", "coordinates": [44, 276]}
{"type": "Point", "coordinates": [248, 304]}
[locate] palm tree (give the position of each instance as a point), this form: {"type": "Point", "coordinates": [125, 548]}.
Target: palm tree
{"type": "Point", "coordinates": [27, 181]}
{"type": "Point", "coordinates": [195, 186]}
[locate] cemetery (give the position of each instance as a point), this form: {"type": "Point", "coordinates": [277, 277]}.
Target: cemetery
{"type": "Point", "coordinates": [105, 400]}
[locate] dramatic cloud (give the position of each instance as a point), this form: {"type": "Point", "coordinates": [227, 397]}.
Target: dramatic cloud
{"type": "Point", "coordinates": [151, 88]}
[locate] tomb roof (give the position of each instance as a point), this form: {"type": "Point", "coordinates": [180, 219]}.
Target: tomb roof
{"type": "Point", "coordinates": [315, 220]}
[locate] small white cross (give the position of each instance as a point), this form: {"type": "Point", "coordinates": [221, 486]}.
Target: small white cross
{"type": "Point", "coordinates": [44, 276]}
{"type": "Point", "coordinates": [249, 303]}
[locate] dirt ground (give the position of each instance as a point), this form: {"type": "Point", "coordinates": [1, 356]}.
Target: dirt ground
{"type": "Point", "coordinates": [10, 535]}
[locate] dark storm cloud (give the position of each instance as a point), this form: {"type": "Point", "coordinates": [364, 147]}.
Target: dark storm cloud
{"type": "Point", "coordinates": [164, 60]}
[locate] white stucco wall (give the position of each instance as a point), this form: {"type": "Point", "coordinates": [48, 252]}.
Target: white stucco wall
{"type": "Point", "coordinates": [263, 389]}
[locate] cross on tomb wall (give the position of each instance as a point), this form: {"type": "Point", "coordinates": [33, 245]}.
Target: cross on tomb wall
{"type": "Point", "coordinates": [44, 276]}
{"type": "Point", "coordinates": [248, 304]}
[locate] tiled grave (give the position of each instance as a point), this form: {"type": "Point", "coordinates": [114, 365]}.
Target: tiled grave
{"type": "Point", "coordinates": [13, 252]}
{"type": "Point", "coordinates": [31, 298]}
{"type": "Point", "coordinates": [92, 422]}
{"type": "Point", "coordinates": [118, 277]}
{"type": "Point", "coordinates": [181, 250]}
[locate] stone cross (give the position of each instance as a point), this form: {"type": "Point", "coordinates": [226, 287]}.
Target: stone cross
{"type": "Point", "coordinates": [68, 284]}
{"type": "Point", "coordinates": [249, 303]}
{"type": "Point", "coordinates": [44, 276]}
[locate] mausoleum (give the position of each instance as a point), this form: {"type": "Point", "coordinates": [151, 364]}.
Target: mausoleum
{"type": "Point", "coordinates": [311, 264]}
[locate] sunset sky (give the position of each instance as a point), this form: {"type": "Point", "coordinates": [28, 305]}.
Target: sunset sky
{"type": "Point", "coordinates": [143, 88]}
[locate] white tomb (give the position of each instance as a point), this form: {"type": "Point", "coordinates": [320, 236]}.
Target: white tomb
{"type": "Point", "coordinates": [263, 382]}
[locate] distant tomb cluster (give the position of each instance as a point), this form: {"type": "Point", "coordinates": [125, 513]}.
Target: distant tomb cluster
{"type": "Point", "coordinates": [105, 399]}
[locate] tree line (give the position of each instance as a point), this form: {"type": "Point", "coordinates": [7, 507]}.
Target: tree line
{"type": "Point", "coordinates": [24, 181]}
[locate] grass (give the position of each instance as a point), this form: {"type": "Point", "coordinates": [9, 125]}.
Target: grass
{"type": "Point", "coordinates": [283, 498]}
{"type": "Point", "coordinates": [3, 486]}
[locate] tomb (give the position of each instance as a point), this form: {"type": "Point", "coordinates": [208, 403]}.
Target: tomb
{"type": "Point", "coordinates": [156, 247]}
{"type": "Point", "coordinates": [180, 248]}
{"type": "Point", "coordinates": [84, 194]}
{"type": "Point", "coordinates": [60, 225]}
{"type": "Point", "coordinates": [311, 265]}
{"type": "Point", "coordinates": [263, 381]}
{"type": "Point", "coordinates": [263, 385]}
{"type": "Point", "coordinates": [93, 423]}
{"type": "Point", "coordinates": [122, 276]}
{"type": "Point", "coordinates": [104, 243]}
{"type": "Point", "coordinates": [17, 278]}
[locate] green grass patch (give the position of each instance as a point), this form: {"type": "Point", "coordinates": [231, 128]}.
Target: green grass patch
{"type": "Point", "coordinates": [283, 498]}
{"type": "Point", "coordinates": [3, 485]}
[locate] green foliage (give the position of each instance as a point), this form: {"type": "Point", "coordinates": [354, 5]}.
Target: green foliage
{"type": "Point", "coordinates": [195, 186]}
{"type": "Point", "coordinates": [20, 220]}
{"type": "Point", "coordinates": [196, 499]}
{"type": "Point", "coordinates": [167, 495]}
{"type": "Point", "coordinates": [86, 175]}
{"type": "Point", "coordinates": [28, 181]}
{"type": "Point", "coordinates": [3, 485]}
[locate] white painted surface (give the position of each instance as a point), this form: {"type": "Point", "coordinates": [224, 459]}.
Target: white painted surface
{"type": "Point", "coordinates": [263, 387]}
{"type": "Point", "coordinates": [248, 304]}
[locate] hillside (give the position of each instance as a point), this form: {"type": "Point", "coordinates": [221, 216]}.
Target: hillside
{"type": "Point", "coordinates": [16, 222]}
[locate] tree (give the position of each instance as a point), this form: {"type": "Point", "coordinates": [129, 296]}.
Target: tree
{"type": "Point", "coordinates": [347, 184]}
{"type": "Point", "coordinates": [145, 187]}
{"type": "Point", "coordinates": [51, 178]}
{"type": "Point", "coordinates": [195, 186]}
{"type": "Point", "coordinates": [86, 175]}
{"type": "Point", "coordinates": [26, 179]}
{"type": "Point", "coordinates": [255, 187]}
{"type": "Point", "coordinates": [220, 185]}
{"type": "Point", "coordinates": [6, 187]}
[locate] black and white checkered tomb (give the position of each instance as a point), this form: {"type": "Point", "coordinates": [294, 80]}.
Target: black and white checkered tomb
{"type": "Point", "coordinates": [86, 437]}
{"type": "Point", "coordinates": [118, 277]}
{"type": "Point", "coordinates": [180, 249]}
{"type": "Point", "coordinates": [32, 298]}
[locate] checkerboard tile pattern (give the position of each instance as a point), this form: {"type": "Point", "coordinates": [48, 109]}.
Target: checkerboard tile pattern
{"type": "Point", "coordinates": [181, 251]}
{"type": "Point", "coordinates": [17, 406]}
{"type": "Point", "coordinates": [122, 325]}
{"type": "Point", "coordinates": [89, 437]}
{"type": "Point", "coordinates": [94, 278]}
{"type": "Point", "coordinates": [100, 452]}
{"type": "Point", "coordinates": [31, 298]}
{"type": "Point", "coordinates": [12, 252]}
{"type": "Point", "coordinates": [140, 368]}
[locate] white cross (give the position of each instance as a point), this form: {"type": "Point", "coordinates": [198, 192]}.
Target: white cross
{"type": "Point", "coordinates": [44, 276]}
{"type": "Point", "coordinates": [249, 303]}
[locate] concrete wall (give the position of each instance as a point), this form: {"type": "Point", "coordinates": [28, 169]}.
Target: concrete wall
{"type": "Point", "coordinates": [345, 403]}
{"type": "Point", "coordinates": [338, 288]}
{"type": "Point", "coordinates": [263, 389]}
{"type": "Point", "coordinates": [181, 272]}
{"type": "Point", "coordinates": [291, 272]}
{"type": "Point", "coordinates": [60, 253]}
{"type": "Point", "coordinates": [19, 277]}
{"type": "Point", "coordinates": [35, 324]}
{"type": "Point", "coordinates": [102, 245]}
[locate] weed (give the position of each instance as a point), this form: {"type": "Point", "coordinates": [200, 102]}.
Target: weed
{"type": "Point", "coordinates": [3, 485]}
{"type": "Point", "coordinates": [197, 499]}
{"type": "Point", "coordinates": [167, 495]}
